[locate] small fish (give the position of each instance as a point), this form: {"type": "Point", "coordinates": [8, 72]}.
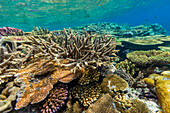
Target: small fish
{"type": "Point", "coordinates": [56, 34]}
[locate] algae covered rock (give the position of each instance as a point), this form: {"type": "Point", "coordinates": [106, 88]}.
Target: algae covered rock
{"type": "Point", "coordinates": [151, 57]}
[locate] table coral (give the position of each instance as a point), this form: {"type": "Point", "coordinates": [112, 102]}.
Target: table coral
{"type": "Point", "coordinates": [151, 57]}
{"type": "Point", "coordinates": [55, 100]}
{"type": "Point", "coordinates": [86, 94]}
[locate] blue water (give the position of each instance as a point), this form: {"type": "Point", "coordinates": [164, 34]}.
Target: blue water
{"type": "Point", "coordinates": [57, 14]}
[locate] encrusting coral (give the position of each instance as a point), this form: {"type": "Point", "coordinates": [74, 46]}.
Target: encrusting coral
{"type": "Point", "coordinates": [151, 57]}
{"type": "Point", "coordinates": [86, 94]}
{"type": "Point", "coordinates": [55, 100]}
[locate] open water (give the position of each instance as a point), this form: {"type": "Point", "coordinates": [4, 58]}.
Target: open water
{"type": "Point", "coordinates": [57, 14]}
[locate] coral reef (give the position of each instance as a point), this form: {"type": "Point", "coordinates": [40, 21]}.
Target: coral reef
{"type": "Point", "coordinates": [88, 76]}
{"type": "Point", "coordinates": [151, 57]}
{"type": "Point", "coordinates": [40, 64]}
{"type": "Point", "coordinates": [132, 81]}
{"type": "Point", "coordinates": [9, 31]}
{"type": "Point", "coordinates": [86, 94]}
{"type": "Point", "coordinates": [102, 105]}
{"type": "Point", "coordinates": [128, 66]}
{"type": "Point", "coordinates": [113, 83]}
{"type": "Point", "coordinates": [123, 31]}
{"type": "Point", "coordinates": [55, 100]}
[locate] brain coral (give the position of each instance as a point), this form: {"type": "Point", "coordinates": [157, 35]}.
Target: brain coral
{"type": "Point", "coordinates": [151, 57]}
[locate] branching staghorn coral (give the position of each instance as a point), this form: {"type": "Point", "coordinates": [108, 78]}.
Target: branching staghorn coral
{"type": "Point", "coordinates": [7, 96]}
{"type": "Point", "coordinates": [40, 31]}
{"type": "Point", "coordinates": [10, 62]}
{"type": "Point", "coordinates": [79, 51]}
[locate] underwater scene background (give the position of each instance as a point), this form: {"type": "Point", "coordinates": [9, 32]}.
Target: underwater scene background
{"type": "Point", "coordinates": [84, 56]}
{"type": "Point", "coordinates": [57, 14]}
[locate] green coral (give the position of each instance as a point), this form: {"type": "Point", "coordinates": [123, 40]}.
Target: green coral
{"type": "Point", "coordinates": [151, 57]}
{"type": "Point", "coordinates": [128, 67]}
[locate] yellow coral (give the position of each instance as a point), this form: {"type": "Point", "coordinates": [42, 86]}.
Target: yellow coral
{"type": "Point", "coordinates": [166, 73]}
{"type": "Point", "coordinates": [163, 92]}
{"type": "Point", "coordinates": [150, 82]}
{"type": "Point", "coordinates": [162, 84]}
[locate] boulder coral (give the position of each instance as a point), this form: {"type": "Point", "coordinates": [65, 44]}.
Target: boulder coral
{"type": "Point", "coordinates": [162, 86]}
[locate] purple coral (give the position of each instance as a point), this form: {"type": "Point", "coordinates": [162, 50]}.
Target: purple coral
{"type": "Point", "coordinates": [8, 31]}
{"type": "Point", "coordinates": [55, 100]}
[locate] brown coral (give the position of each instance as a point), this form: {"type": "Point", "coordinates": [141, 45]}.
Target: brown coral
{"type": "Point", "coordinates": [86, 93]}
{"type": "Point", "coordinates": [88, 76]}
{"type": "Point", "coordinates": [128, 66]}
{"type": "Point", "coordinates": [55, 100]}
{"type": "Point", "coordinates": [102, 105]}
{"type": "Point", "coordinates": [113, 83]}
{"type": "Point", "coordinates": [126, 106]}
